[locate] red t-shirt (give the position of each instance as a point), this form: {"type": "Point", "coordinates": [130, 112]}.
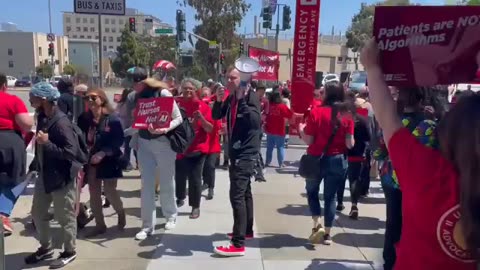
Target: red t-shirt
{"type": "Point", "coordinates": [214, 137]}
{"type": "Point", "coordinates": [10, 106]}
{"type": "Point", "coordinates": [275, 119]}
{"type": "Point", "coordinates": [319, 125]}
{"type": "Point", "coordinates": [430, 208]}
{"type": "Point", "coordinates": [201, 141]}
{"type": "Point", "coordinates": [315, 104]}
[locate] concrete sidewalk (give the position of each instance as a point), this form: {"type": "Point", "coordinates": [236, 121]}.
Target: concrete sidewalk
{"type": "Point", "coordinates": [282, 226]}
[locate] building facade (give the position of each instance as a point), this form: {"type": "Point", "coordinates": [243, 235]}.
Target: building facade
{"type": "Point", "coordinates": [86, 26]}
{"type": "Point", "coordinates": [332, 54]}
{"type": "Point", "coordinates": [84, 56]}
{"type": "Point", "coordinates": [22, 52]}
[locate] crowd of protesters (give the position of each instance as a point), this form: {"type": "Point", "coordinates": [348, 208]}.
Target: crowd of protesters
{"type": "Point", "coordinates": [426, 169]}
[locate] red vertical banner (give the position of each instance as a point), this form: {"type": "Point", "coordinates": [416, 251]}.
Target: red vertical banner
{"type": "Point", "coordinates": [305, 53]}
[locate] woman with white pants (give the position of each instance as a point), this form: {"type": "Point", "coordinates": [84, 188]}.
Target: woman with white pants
{"type": "Point", "coordinates": [156, 157]}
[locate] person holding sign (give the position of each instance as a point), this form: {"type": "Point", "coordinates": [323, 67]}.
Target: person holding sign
{"type": "Point", "coordinates": [189, 165]}
{"type": "Point", "coordinates": [440, 188]}
{"type": "Point", "coordinates": [155, 154]}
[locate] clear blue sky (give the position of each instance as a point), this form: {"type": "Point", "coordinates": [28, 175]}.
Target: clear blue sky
{"type": "Point", "coordinates": [32, 15]}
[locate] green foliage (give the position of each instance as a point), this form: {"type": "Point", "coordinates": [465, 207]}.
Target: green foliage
{"type": "Point", "coordinates": [473, 2]}
{"type": "Point", "coordinates": [217, 21]}
{"type": "Point", "coordinates": [130, 53]}
{"type": "Point", "coordinates": [361, 28]}
{"type": "Point", "coordinates": [44, 70]}
{"type": "Point", "coordinates": [69, 70]}
{"type": "Point", "coordinates": [158, 48]}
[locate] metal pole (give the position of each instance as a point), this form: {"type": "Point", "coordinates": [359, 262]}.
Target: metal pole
{"type": "Point", "coordinates": [277, 33]}
{"type": "Point", "coordinates": [2, 247]}
{"type": "Point", "coordinates": [51, 42]}
{"type": "Point", "coordinates": [220, 51]}
{"type": "Point", "coordinates": [100, 51]}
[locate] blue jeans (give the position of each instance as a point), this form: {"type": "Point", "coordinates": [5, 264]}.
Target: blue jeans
{"type": "Point", "coordinates": [278, 142]}
{"type": "Point", "coordinates": [9, 196]}
{"type": "Point", "coordinates": [334, 169]}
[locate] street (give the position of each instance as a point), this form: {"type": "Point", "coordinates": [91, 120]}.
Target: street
{"type": "Point", "coordinates": [282, 226]}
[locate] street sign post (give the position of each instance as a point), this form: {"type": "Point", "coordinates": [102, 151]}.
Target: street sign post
{"type": "Point", "coordinates": [104, 7]}
{"type": "Point", "coordinates": [50, 37]}
{"type": "Point", "coordinates": [212, 44]}
{"type": "Point", "coordinates": [164, 31]}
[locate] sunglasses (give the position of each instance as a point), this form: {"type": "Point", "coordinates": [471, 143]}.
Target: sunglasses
{"type": "Point", "coordinates": [91, 98]}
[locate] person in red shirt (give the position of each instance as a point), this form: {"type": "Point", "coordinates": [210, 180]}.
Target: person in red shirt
{"type": "Point", "coordinates": [190, 164]}
{"type": "Point", "coordinates": [14, 120]}
{"type": "Point", "coordinates": [316, 101]}
{"type": "Point", "coordinates": [321, 124]}
{"type": "Point", "coordinates": [440, 188]}
{"type": "Point", "coordinates": [276, 118]}
{"type": "Point", "coordinates": [223, 129]}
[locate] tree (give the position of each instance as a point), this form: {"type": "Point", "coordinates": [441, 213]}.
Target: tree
{"type": "Point", "coordinates": [130, 53]}
{"type": "Point", "coordinates": [158, 48]}
{"type": "Point", "coordinates": [44, 70]}
{"type": "Point", "coordinates": [69, 70]}
{"type": "Point", "coordinates": [217, 20]}
{"type": "Point", "coordinates": [473, 2]}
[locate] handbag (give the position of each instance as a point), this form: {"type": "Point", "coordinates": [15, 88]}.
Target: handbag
{"type": "Point", "coordinates": [310, 166]}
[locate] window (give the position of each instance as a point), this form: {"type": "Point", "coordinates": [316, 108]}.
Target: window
{"type": "Point", "coordinates": [121, 21]}
{"type": "Point", "coordinates": [10, 52]}
{"type": "Point", "coordinates": [113, 21]}
{"type": "Point", "coordinates": [118, 48]}
{"type": "Point", "coordinates": [85, 20]}
{"type": "Point", "coordinates": [92, 29]}
{"type": "Point", "coordinates": [107, 21]}
{"type": "Point", "coordinates": [114, 30]}
{"type": "Point", "coordinates": [77, 20]}
{"type": "Point", "coordinates": [66, 62]}
{"type": "Point", "coordinates": [119, 39]}
{"type": "Point", "coordinates": [69, 28]}
{"type": "Point", "coordinates": [68, 20]}
{"type": "Point", "coordinates": [66, 53]}
{"type": "Point", "coordinates": [96, 37]}
{"type": "Point", "coordinates": [340, 59]}
{"type": "Point", "coordinates": [46, 61]}
{"type": "Point", "coordinates": [92, 20]}
{"type": "Point", "coordinates": [110, 39]}
{"type": "Point", "coordinates": [74, 51]}
{"type": "Point", "coordinates": [74, 36]}
{"type": "Point", "coordinates": [39, 51]}
{"type": "Point", "coordinates": [107, 30]}
{"type": "Point", "coordinates": [104, 48]}
{"type": "Point", "coordinates": [89, 37]}
{"type": "Point", "coordinates": [104, 39]}
{"type": "Point", "coordinates": [82, 36]}
{"type": "Point", "coordinates": [78, 28]}
{"type": "Point", "coordinates": [85, 29]}
{"type": "Point", "coordinates": [10, 64]}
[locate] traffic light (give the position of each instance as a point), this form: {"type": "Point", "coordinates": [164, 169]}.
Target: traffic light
{"type": "Point", "coordinates": [181, 26]}
{"type": "Point", "coordinates": [132, 23]}
{"type": "Point", "coordinates": [222, 58]}
{"type": "Point", "coordinates": [242, 48]}
{"type": "Point", "coordinates": [267, 18]}
{"type": "Point", "coordinates": [287, 18]}
{"type": "Point", "coordinates": [51, 49]}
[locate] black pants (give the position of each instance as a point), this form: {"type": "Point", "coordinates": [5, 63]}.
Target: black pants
{"type": "Point", "coordinates": [259, 164]}
{"type": "Point", "coordinates": [241, 199]}
{"type": "Point", "coordinates": [365, 174]}
{"type": "Point", "coordinates": [209, 170]}
{"type": "Point", "coordinates": [353, 174]}
{"type": "Point", "coordinates": [189, 168]}
{"type": "Point", "coordinates": [393, 227]}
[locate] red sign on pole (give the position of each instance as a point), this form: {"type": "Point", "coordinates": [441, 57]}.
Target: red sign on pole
{"type": "Point", "coordinates": [305, 54]}
{"type": "Point", "coordinates": [269, 63]}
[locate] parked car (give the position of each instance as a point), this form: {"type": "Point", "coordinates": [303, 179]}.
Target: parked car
{"type": "Point", "coordinates": [24, 82]}
{"type": "Point", "coordinates": [11, 81]}
{"type": "Point", "coordinates": [330, 78]}
{"type": "Point", "coordinates": [358, 81]}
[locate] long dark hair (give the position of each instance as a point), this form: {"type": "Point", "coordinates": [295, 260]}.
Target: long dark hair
{"type": "Point", "coordinates": [460, 144]}
{"type": "Point", "coordinates": [125, 94]}
{"type": "Point", "coordinates": [334, 93]}
{"type": "Point", "coordinates": [275, 97]}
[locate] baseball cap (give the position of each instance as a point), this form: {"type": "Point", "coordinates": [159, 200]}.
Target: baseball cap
{"type": "Point", "coordinates": [137, 74]}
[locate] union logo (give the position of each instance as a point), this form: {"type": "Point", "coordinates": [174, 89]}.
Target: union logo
{"type": "Point", "coordinates": [450, 236]}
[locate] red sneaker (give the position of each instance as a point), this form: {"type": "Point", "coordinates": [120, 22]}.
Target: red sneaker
{"type": "Point", "coordinates": [7, 226]}
{"type": "Point", "coordinates": [247, 236]}
{"type": "Point", "coordinates": [229, 251]}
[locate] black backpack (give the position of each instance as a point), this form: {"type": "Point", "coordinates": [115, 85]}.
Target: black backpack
{"type": "Point", "coordinates": [182, 136]}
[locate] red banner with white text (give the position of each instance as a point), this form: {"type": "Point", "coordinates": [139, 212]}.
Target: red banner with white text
{"type": "Point", "coordinates": [305, 54]}
{"type": "Point", "coordinates": [269, 63]}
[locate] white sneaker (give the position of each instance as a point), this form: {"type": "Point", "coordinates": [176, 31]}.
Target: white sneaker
{"type": "Point", "coordinates": [143, 234]}
{"type": "Point", "coordinates": [171, 224]}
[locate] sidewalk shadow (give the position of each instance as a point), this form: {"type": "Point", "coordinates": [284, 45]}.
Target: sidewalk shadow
{"type": "Point", "coordinates": [346, 198]}
{"type": "Point", "coordinates": [317, 264]}
{"type": "Point", "coordinates": [129, 193]}
{"type": "Point", "coordinates": [294, 210]}
{"type": "Point", "coordinates": [17, 262]}
{"type": "Point", "coordinates": [137, 212]}
{"type": "Point", "coordinates": [374, 240]}
{"type": "Point", "coordinates": [363, 223]}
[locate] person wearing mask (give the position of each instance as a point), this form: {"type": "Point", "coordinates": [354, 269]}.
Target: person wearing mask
{"type": "Point", "coordinates": [356, 156]}
{"type": "Point", "coordinates": [189, 165]}
{"type": "Point", "coordinates": [104, 134]}
{"type": "Point", "coordinates": [65, 102]}
{"type": "Point", "coordinates": [56, 146]}
{"type": "Point", "coordinates": [156, 159]}
{"type": "Point", "coordinates": [324, 124]}
{"type": "Point", "coordinates": [278, 114]}
{"type": "Point", "coordinates": [440, 194]}
{"type": "Point", "coordinates": [242, 109]}
{"type": "Point", "coordinates": [126, 119]}
{"type": "Point", "coordinates": [14, 120]}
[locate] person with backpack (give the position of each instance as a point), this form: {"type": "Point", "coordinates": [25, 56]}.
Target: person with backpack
{"type": "Point", "coordinates": [104, 137]}
{"type": "Point", "coordinates": [66, 100]}
{"type": "Point", "coordinates": [58, 158]}
{"type": "Point", "coordinates": [156, 156]}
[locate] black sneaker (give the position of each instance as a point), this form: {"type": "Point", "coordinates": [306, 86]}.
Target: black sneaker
{"type": "Point", "coordinates": [340, 208]}
{"type": "Point", "coordinates": [210, 194]}
{"type": "Point", "coordinates": [327, 240]}
{"type": "Point", "coordinates": [39, 255]}
{"type": "Point", "coordinates": [64, 259]}
{"type": "Point", "coordinates": [354, 212]}
{"type": "Point", "coordinates": [180, 203]}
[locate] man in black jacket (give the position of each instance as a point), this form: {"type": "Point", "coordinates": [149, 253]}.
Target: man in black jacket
{"type": "Point", "coordinates": [242, 109]}
{"type": "Point", "coordinates": [56, 148]}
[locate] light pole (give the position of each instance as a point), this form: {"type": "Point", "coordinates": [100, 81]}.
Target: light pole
{"type": "Point", "coordinates": [50, 26]}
